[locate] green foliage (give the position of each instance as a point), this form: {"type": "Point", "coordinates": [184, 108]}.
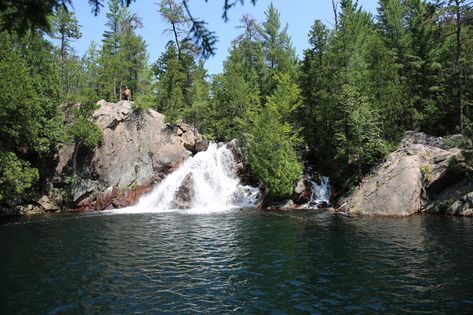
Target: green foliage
{"type": "Point", "coordinates": [457, 142]}
{"type": "Point", "coordinates": [426, 172]}
{"type": "Point", "coordinates": [232, 98]}
{"type": "Point", "coordinates": [82, 130]}
{"type": "Point", "coordinates": [28, 112]}
{"type": "Point", "coordinates": [16, 176]}
{"type": "Point", "coordinates": [359, 86]}
{"type": "Point", "coordinates": [441, 207]}
{"type": "Point", "coordinates": [173, 84]}
{"type": "Point", "coordinates": [65, 28]}
{"type": "Point", "coordinates": [270, 140]}
{"type": "Point", "coordinates": [278, 51]}
{"type": "Point", "coordinates": [86, 132]}
{"type": "Point", "coordinates": [31, 125]}
{"type": "Point", "coordinates": [123, 57]}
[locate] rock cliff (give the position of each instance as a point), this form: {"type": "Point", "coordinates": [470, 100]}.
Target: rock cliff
{"type": "Point", "coordinates": [421, 167]}
{"type": "Point", "coordinates": [137, 150]}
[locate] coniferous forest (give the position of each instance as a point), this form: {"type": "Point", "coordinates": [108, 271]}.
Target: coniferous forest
{"type": "Point", "coordinates": [341, 107]}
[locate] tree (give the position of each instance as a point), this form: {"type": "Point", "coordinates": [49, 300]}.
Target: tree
{"type": "Point", "coordinates": [65, 28]}
{"type": "Point", "coordinates": [270, 140]}
{"type": "Point", "coordinates": [315, 83]}
{"type": "Point", "coordinates": [199, 113]}
{"type": "Point", "coordinates": [233, 96]}
{"type": "Point", "coordinates": [30, 124]}
{"type": "Point", "coordinates": [456, 27]}
{"type": "Point", "coordinates": [247, 51]}
{"type": "Point", "coordinates": [123, 54]}
{"type": "Point", "coordinates": [278, 50]}
{"type": "Point", "coordinates": [92, 67]}
{"type": "Point", "coordinates": [173, 14]}
{"type": "Point", "coordinates": [172, 84]}
{"type": "Point", "coordinates": [16, 176]}
{"type": "Point", "coordinates": [132, 52]}
{"type": "Point", "coordinates": [22, 16]}
{"type": "Point", "coordinates": [385, 90]}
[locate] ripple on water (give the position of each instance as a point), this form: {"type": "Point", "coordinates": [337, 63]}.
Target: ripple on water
{"type": "Point", "coordinates": [236, 261]}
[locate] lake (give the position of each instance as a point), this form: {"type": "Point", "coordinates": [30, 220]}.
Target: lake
{"type": "Point", "coordinates": [236, 261]}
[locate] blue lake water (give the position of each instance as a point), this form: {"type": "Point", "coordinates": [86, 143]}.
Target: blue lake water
{"type": "Point", "coordinates": [239, 261]}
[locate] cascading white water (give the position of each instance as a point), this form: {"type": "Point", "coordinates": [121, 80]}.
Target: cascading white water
{"type": "Point", "coordinates": [320, 193]}
{"type": "Point", "coordinates": [206, 181]}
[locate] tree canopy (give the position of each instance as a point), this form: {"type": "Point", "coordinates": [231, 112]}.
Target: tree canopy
{"type": "Point", "coordinates": [339, 109]}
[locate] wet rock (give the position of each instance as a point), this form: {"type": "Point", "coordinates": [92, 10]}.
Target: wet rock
{"type": "Point", "coordinates": [192, 140]}
{"type": "Point", "coordinates": [29, 209]}
{"type": "Point", "coordinates": [282, 205]}
{"type": "Point", "coordinates": [48, 204]}
{"type": "Point", "coordinates": [463, 207]}
{"type": "Point", "coordinates": [302, 191]}
{"type": "Point", "coordinates": [184, 195]}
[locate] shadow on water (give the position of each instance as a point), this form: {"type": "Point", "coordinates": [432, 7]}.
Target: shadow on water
{"type": "Point", "coordinates": [236, 261]}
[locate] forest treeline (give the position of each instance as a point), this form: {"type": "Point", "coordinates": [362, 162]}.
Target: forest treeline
{"type": "Point", "coordinates": [340, 107]}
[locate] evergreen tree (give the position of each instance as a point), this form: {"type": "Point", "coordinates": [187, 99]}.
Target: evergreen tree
{"type": "Point", "coordinates": [65, 28]}
{"type": "Point", "coordinates": [30, 124]}
{"type": "Point", "coordinates": [132, 52]}
{"type": "Point", "coordinates": [233, 96]}
{"type": "Point", "coordinates": [270, 140]}
{"type": "Point", "coordinates": [92, 68]}
{"type": "Point", "coordinates": [456, 29]}
{"type": "Point", "coordinates": [171, 75]}
{"type": "Point", "coordinates": [123, 55]}
{"type": "Point", "coordinates": [278, 50]}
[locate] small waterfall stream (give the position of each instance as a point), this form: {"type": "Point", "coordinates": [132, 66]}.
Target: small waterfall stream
{"type": "Point", "coordinates": [205, 182]}
{"type": "Point", "coordinates": [320, 193]}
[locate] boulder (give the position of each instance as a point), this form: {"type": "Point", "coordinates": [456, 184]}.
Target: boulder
{"type": "Point", "coordinates": [47, 203]}
{"type": "Point", "coordinates": [399, 187]}
{"type": "Point", "coordinates": [282, 205]}
{"type": "Point", "coordinates": [302, 191]}
{"type": "Point", "coordinates": [193, 141]}
{"type": "Point", "coordinates": [184, 195]}
{"type": "Point", "coordinates": [137, 150]}
{"type": "Point", "coordinates": [464, 206]}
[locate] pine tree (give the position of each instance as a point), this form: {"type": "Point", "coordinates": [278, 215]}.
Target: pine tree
{"type": "Point", "coordinates": [173, 82]}
{"type": "Point", "coordinates": [270, 140]}
{"type": "Point", "coordinates": [123, 55]}
{"type": "Point", "coordinates": [233, 96]}
{"type": "Point", "coordinates": [278, 50]}
{"type": "Point", "coordinates": [65, 28]}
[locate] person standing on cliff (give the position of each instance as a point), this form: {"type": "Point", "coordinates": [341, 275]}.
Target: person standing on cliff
{"type": "Point", "coordinates": [126, 93]}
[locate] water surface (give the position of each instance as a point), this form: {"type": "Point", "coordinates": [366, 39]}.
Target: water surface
{"type": "Point", "coordinates": [247, 261]}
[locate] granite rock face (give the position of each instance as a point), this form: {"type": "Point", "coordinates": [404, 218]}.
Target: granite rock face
{"type": "Point", "coordinates": [400, 186]}
{"type": "Point", "coordinates": [137, 150]}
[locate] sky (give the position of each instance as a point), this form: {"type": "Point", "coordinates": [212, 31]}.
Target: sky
{"type": "Point", "coordinates": [298, 14]}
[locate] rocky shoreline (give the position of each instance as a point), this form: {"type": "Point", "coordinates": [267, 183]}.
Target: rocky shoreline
{"type": "Point", "coordinates": [425, 174]}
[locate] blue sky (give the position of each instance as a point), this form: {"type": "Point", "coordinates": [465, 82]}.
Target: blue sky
{"type": "Point", "coordinates": [299, 14]}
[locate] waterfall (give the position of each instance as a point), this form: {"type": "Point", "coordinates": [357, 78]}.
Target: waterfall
{"type": "Point", "coordinates": [207, 182]}
{"type": "Point", "coordinates": [320, 193]}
